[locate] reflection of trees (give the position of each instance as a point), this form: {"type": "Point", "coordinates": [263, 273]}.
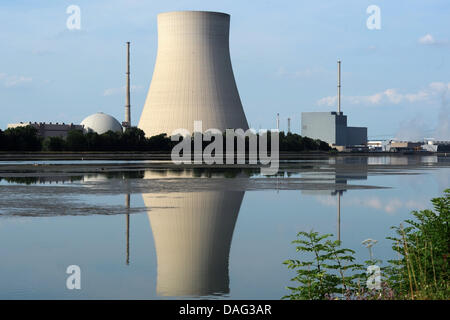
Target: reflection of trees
{"type": "Point", "coordinates": [36, 180]}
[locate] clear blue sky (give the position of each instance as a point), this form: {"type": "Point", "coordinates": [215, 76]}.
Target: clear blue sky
{"type": "Point", "coordinates": [396, 80]}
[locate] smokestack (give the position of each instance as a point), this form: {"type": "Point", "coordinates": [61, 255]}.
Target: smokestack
{"type": "Point", "coordinates": [278, 121]}
{"type": "Point", "coordinates": [339, 87]}
{"type": "Point", "coordinates": [289, 125]}
{"type": "Point", "coordinates": [127, 104]}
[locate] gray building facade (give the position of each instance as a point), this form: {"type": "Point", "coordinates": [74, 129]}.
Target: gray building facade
{"type": "Point", "coordinates": [332, 128]}
{"type": "Point", "coordinates": [49, 129]}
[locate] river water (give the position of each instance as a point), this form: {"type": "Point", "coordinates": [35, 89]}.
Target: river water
{"type": "Point", "coordinates": [143, 230]}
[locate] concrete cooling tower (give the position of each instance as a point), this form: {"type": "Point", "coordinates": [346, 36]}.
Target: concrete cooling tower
{"type": "Point", "coordinates": [193, 78]}
{"type": "Point", "coordinates": [192, 234]}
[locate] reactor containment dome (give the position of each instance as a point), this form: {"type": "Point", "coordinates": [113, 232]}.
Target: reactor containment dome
{"type": "Point", "coordinates": [101, 123]}
{"type": "Point", "coordinates": [193, 78]}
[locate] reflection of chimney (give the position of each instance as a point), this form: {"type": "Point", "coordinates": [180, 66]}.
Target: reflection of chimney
{"type": "Point", "coordinates": [192, 234]}
{"type": "Point", "coordinates": [339, 215]}
{"type": "Point", "coordinates": [339, 87]}
{"type": "Point", "coordinates": [127, 203]}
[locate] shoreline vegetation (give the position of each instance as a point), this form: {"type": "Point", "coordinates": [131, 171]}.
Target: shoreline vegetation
{"type": "Point", "coordinates": [326, 271]}
{"type": "Point", "coordinates": [23, 143]}
{"type": "Point", "coordinates": [134, 140]}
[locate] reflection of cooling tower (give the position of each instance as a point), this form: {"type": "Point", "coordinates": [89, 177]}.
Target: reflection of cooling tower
{"type": "Point", "coordinates": [193, 238]}
{"type": "Point", "coordinates": [193, 78]}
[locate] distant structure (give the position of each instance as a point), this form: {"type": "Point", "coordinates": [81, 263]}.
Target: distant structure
{"type": "Point", "coordinates": [394, 146]}
{"type": "Point", "coordinates": [49, 129]}
{"type": "Point", "coordinates": [289, 125]}
{"type": "Point", "coordinates": [437, 146]}
{"type": "Point", "coordinates": [193, 77]}
{"type": "Point", "coordinates": [331, 127]}
{"type": "Point", "coordinates": [278, 121]}
{"type": "Point", "coordinates": [127, 122]}
{"type": "Point", "coordinates": [101, 122]}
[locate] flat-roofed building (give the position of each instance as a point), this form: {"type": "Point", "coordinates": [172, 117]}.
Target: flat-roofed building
{"type": "Point", "coordinates": [332, 128]}
{"type": "Point", "coordinates": [49, 129]}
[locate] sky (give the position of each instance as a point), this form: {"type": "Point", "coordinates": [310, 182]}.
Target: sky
{"type": "Point", "coordinates": [395, 79]}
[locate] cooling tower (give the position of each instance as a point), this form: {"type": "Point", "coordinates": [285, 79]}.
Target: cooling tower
{"type": "Point", "coordinates": [192, 234]}
{"type": "Point", "coordinates": [193, 77]}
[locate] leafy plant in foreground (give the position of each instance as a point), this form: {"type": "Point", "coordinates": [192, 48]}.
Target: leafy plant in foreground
{"type": "Point", "coordinates": [420, 272]}
{"type": "Point", "coordinates": [324, 274]}
{"type": "Point", "coordinates": [423, 245]}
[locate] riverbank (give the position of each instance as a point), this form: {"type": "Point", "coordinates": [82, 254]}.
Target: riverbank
{"type": "Point", "coordinates": [162, 156]}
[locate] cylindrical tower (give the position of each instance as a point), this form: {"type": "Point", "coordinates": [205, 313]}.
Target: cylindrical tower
{"type": "Point", "coordinates": [193, 78]}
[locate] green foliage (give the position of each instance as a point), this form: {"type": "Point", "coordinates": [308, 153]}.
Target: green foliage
{"type": "Point", "coordinates": [294, 142]}
{"type": "Point", "coordinates": [53, 144]}
{"type": "Point", "coordinates": [421, 270]}
{"type": "Point", "coordinates": [325, 273]}
{"type": "Point", "coordinates": [133, 139]}
{"type": "Point", "coordinates": [76, 140]}
{"type": "Point", "coordinates": [20, 138]}
{"type": "Point", "coordinates": [159, 143]}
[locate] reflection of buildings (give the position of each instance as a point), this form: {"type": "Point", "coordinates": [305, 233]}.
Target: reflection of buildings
{"type": "Point", "coordinates": [192, 233]}
{"type": "Point", "coordinates": [193, 77]}
{"type": "Point", "coordinates": [343, 169]}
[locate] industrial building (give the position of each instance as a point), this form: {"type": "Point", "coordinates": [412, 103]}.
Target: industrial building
{"type": "Point", "coordinates": [98, 122]}
{"type": "Point", "coordinates": [394, 146]}
{"type": "Point", "coordinates": [193, 78]}
{"type": "Point", "coordinates": [331, 127]}
{"type": "Point", "coordinates": [101, 122]}
{"type": "Point", "coordinates": [437, 146]}
{"type": "Point", "coordinates": [49, 129]}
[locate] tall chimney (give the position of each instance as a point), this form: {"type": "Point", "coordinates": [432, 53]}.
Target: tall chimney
{"type": "Point", "coordinates": [339, 87]}
{"type": "Point", "coordinates": [278, 121]}
{"type": "Point", "coordinates": [289, 125]}
{"type": "Point", "coordinates": [127, 104]}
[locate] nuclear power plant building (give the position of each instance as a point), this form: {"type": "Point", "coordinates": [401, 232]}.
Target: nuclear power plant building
{"type": "Point", "coordinates": [331, 127]}
{"type": "Point", "coordinates": [193, 78]}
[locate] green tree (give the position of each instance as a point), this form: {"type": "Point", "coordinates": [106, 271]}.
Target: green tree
{"type": "Point", "coordinates": [159, 142]}
{"type": "Point", "coordinates": [2, 140]}
{"type": "Point", "coordinates": [53, 144]}
{"type": "Point", "coordinates": [133, 139]}
{"type": "Point", "coordinates": [111, 141]}
{"type": "Point", "coordinates": [76, 141]}
{"type": "Point", "coordinates": [323, 274]}
{"type": "Point", "coordinates": [22, 139]}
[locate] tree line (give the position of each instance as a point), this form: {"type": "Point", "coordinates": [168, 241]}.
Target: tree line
{"type": "Point", "coordinates": [132, 139]}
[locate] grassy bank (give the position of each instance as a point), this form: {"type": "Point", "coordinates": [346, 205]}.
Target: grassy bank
{"type": "Point", "coordinates": [422, 244]}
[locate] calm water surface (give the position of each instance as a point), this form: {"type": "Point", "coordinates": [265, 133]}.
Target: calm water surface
{"type": "Point", "coordinates": [162, 234]}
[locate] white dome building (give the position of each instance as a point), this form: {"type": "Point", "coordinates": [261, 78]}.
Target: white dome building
{"type": "Point", "coordinates": [101, 122]}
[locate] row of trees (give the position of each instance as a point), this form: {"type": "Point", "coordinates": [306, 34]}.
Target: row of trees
{"type": "Point", "coordinates": [133, 139]}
